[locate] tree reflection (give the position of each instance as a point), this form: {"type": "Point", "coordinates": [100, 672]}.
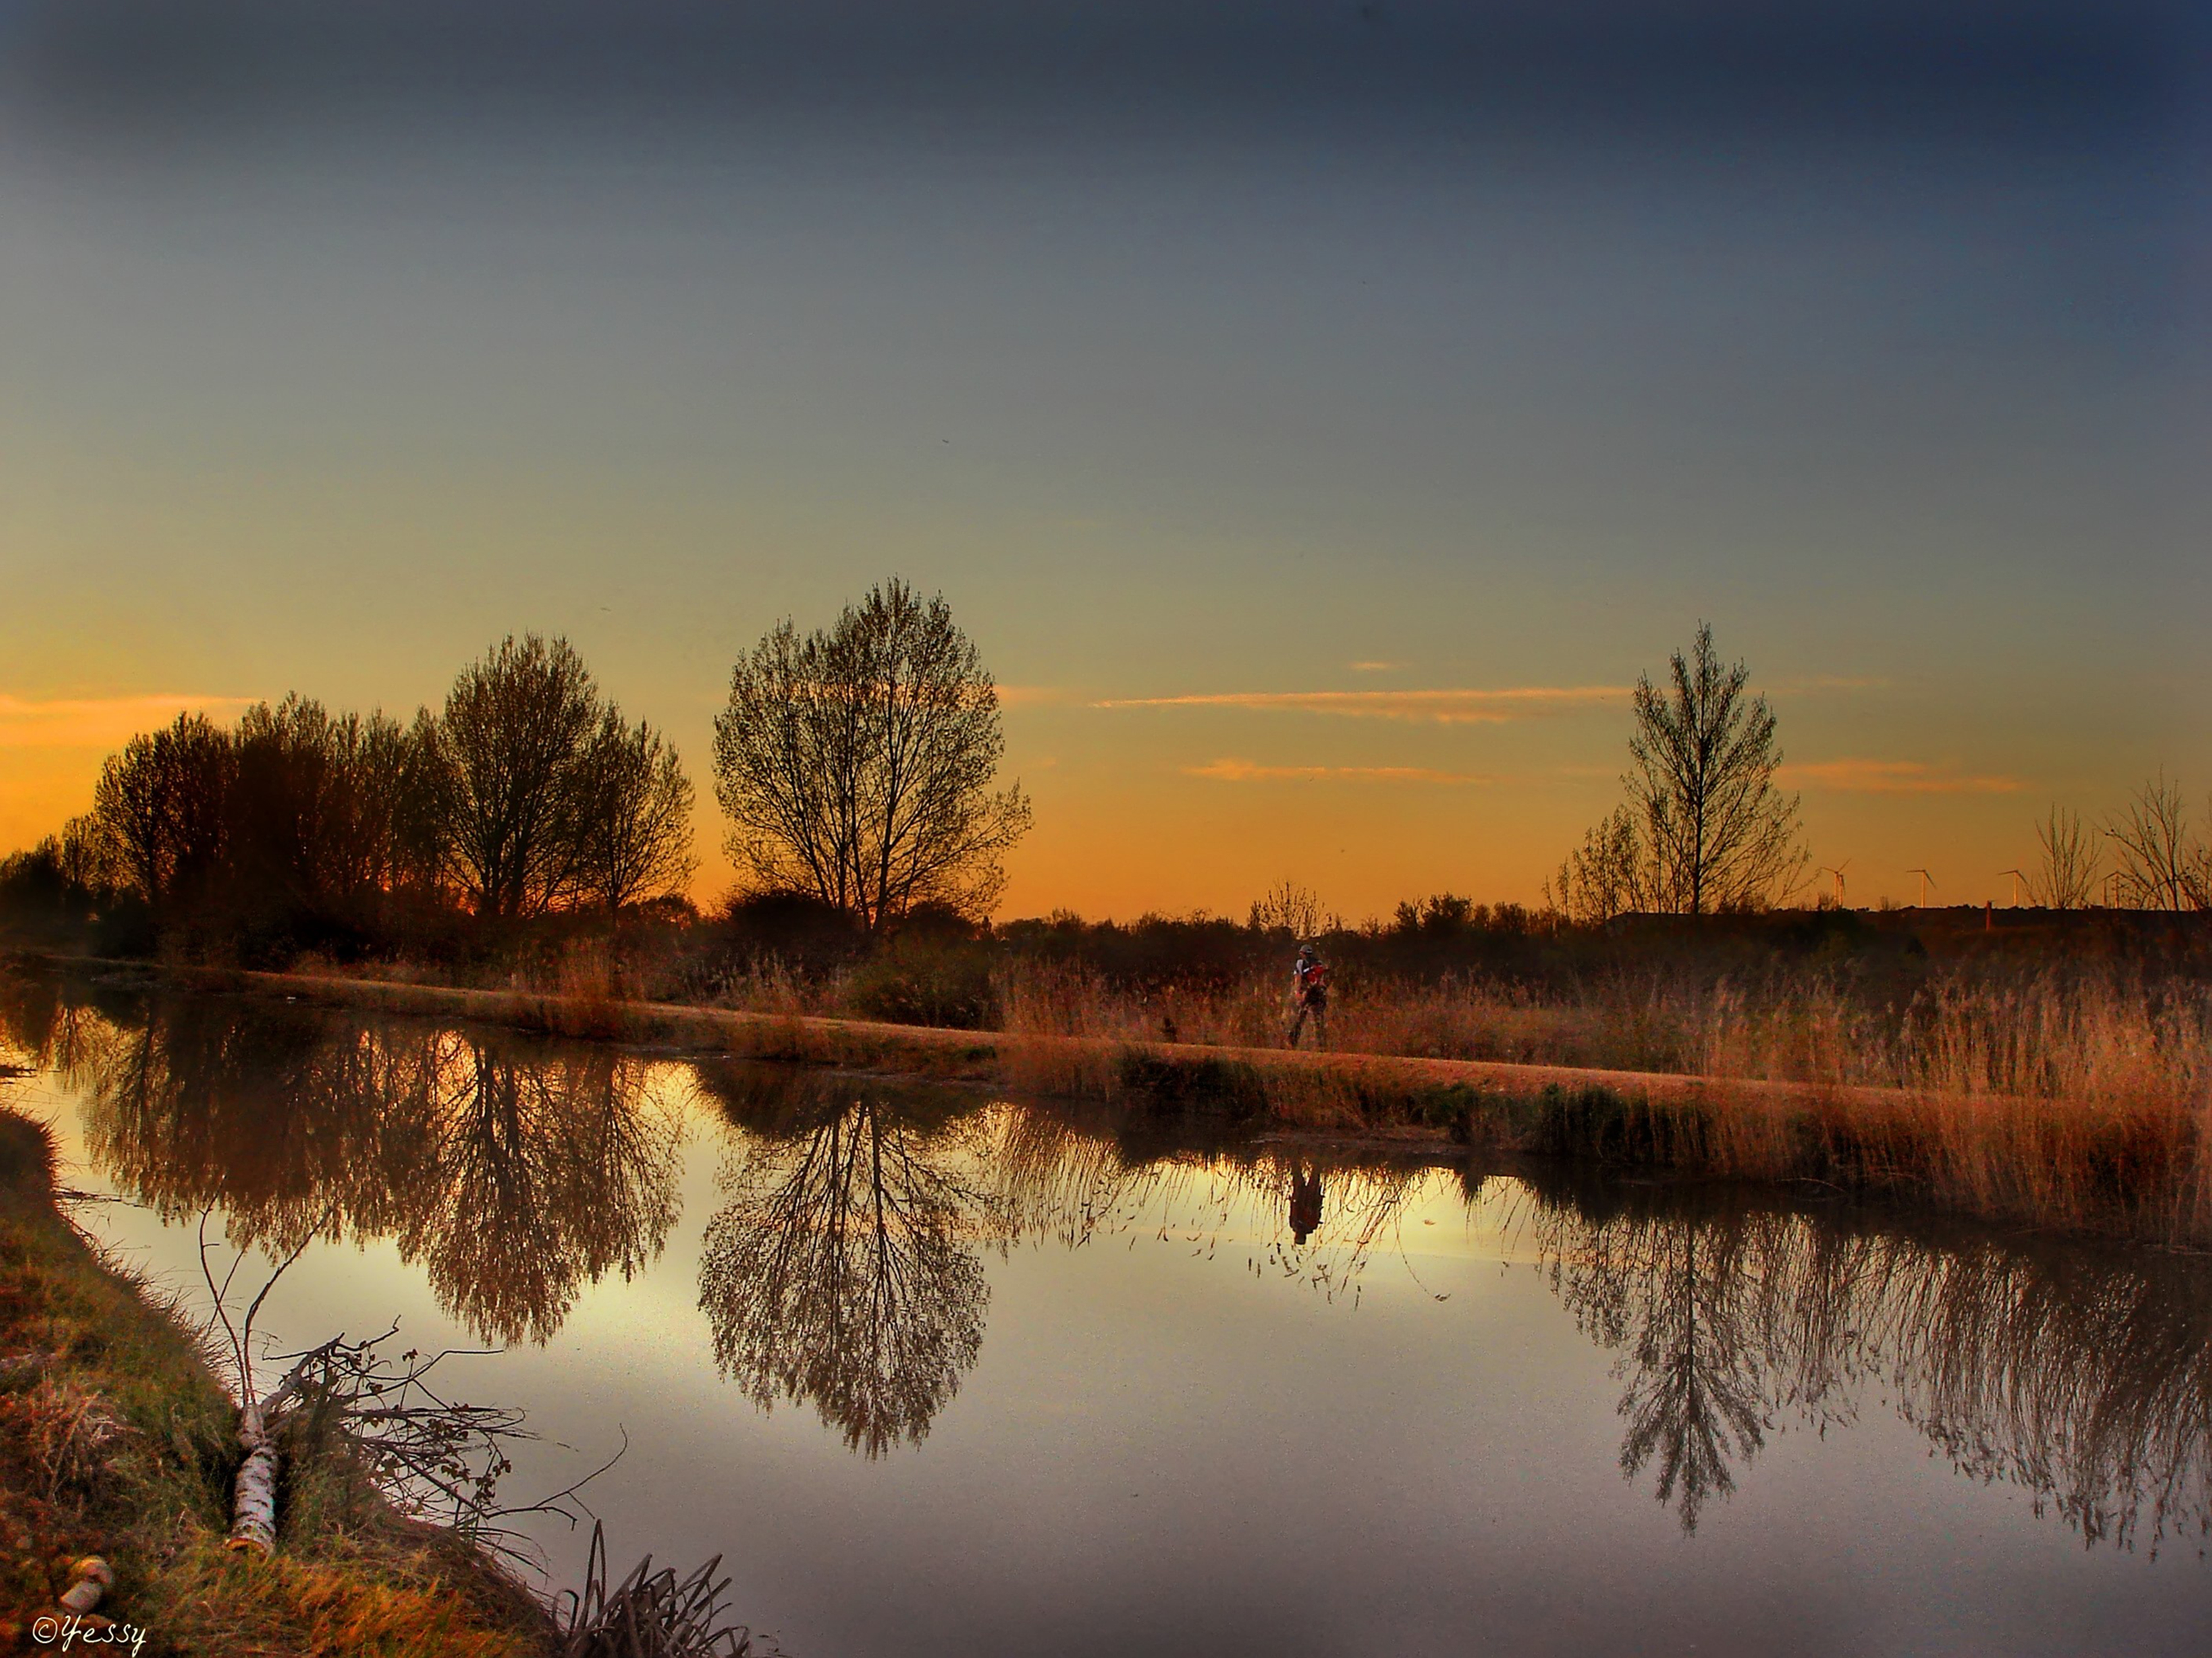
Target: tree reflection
{"type": "Point", "coordinates": [533, 1180]}
{"type": "Point", "coordinates": [844, 1268]}
{"type": "Point", "coordinates": [514, 1172]}
{"type": "Point", "coordinates": [2081, 1373]}
{"type": "Point", "coordinates": [1675, 1298]}
{"type": "Point", "coordinates": [839, 1270]}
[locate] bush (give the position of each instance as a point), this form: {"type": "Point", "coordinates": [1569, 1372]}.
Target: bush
{"type": "Point", "coordinates": [925, 980]}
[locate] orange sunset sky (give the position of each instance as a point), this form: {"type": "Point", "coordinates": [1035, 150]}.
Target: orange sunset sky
{"type": "Point", "coordinates": [1314, 461]}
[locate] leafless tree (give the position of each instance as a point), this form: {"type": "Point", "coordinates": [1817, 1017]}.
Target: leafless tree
{"type": "Point", "coordinates": [633, 825]}
{"type": "Point", "coordinates": [2066, 873]}
{"type": "Point", "coordinates": [161, 807]}
{"type": "Point", "coordinates": [1719, 834]}
{"type": "Point", "coordinates": [1288, 908]}
{"type": "Point", "coordinates": [1705, 828]}
{"type": "Point", "coordinates": [2162, 865]}
{"type": "Point", "coordinates": [1604, 877]}
{"type": "Point", "coordinates": [511, 747]}
{"type": "Point", "coordinates": [856, 764]}
{"type": "Point", "coordinates": [87, 855]}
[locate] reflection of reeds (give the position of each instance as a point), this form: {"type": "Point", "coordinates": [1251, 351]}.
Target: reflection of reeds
{"type": "Point", "coordinates": [2078, 1102]}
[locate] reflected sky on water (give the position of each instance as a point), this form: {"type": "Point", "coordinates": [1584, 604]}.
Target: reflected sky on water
{"type": "Point", "coordinates": [941, 1372]}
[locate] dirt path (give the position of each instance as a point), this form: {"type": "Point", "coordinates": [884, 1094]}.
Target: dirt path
{"type": "Point", "coordinates": [1084, 1064]}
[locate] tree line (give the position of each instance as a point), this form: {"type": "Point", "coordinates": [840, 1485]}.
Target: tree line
{"type": "Point", "coordinates": [856, 765]}
{"type": "Point", "coordinates": [527, 792]}
{"type": "Point", "coordinates": [1706, 828]}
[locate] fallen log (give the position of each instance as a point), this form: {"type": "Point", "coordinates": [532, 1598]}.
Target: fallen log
{"type": "Point", "coordinates": [253, 1498]}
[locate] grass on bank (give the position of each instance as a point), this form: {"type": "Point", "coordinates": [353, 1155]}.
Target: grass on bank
{"type": "Point", "coordinates": [116, 1440]}
{"type": "Point", "coordinates": [2065, 1090]}
{"type": "Point", "coordinates": [2073, 1099]}
{"type": "Point", "coordinates": [2081, 1104]}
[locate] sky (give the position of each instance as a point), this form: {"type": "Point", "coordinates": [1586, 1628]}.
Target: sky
{"type": "Point", "coordinates": [1318, 414]}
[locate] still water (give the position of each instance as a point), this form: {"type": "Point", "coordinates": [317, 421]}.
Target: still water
{"type": "Point", "coordinates": [941, 1372]}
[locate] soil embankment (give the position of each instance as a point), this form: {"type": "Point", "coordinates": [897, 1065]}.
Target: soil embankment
{"type": "Point", "coordinates": [2138, 1167]}
{"type": "Point", "coordinates": [2130, 1164]}
{"type": "Point", "coordinates": [1398, 1095]}
{"type": "Point", "coordinates": [116, 1441]}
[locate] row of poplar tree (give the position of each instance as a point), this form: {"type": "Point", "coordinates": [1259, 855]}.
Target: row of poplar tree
{"type": "Point", "coordinates": [855, 765]}
{"type": "Point", "coordinates": [526, 792]}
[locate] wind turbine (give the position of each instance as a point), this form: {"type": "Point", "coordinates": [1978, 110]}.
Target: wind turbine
{"type": "Point", "coordinates": [1926, 882]}
{"type": "Point", "coordinates": [1836, 869]}
{"type": "Point", "coordinates": [2017, 877]}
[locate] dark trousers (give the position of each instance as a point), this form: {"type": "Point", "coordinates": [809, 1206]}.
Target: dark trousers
{"type": "Point", "coordinates": [1315, 1002]}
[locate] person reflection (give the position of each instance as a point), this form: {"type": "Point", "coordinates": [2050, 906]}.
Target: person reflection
{"type": "Point", "coordinates": [836, 1274]}
{"type": "Point", "coordinates": [1305, 1203]}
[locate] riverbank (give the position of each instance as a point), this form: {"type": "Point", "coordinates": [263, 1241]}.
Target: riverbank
{"type": "Point", "coordinates": [2135, 1165]}
{"type": "Point", "coordinates": [116, 1440]}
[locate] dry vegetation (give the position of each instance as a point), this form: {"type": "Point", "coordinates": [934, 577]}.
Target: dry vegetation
{"type": "Point", "coordinates": [115, 1440]}
{"type": "Point", "coordinates": [2074, 1097]}
{"type": "Point", "coordinates": [2080, 1102]}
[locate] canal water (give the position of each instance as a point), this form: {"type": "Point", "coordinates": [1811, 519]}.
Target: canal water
{"type": "Point", "coordinates": [939, 1372]}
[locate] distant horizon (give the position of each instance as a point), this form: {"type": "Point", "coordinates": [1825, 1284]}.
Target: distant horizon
{"type": "Point", "coordinates": [74, 731]}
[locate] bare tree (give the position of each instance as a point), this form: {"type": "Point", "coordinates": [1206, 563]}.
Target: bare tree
{"type": "Point", "coordinates": [510, 748]}
{"type": "Point", "coordinates": [1719, 834]}
{"type": "Point", "coordinates": [634, 817]}
{"type": "Point", "coordinates": [88, 855]}
{"type": "Point", "coordinates": [2066, 874]}
{"type": "Point", "coordinates": [856, 764]}
{"type": "Point", "coordinates": [1604, 877]}
{"type": "Point", "coordinates": [1288, 908]}
{"type": "Point", "coordinates": [1704, 828]}
{"type": "Point", "coordinates": [2162, 865]}
{"type": "Point", "coordinates": [160, 804]}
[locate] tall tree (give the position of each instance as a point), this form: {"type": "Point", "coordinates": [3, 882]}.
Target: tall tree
{"type": "Point", "coordinates": [856, 764]}
{"type": "Point", "coordinates": [633, 822]}
{"type": "Point", "coordinates": [1705, 828]}
{"type": "Point", "coordinates": [511, 749]}
{"type": "Point", "coordinates": [161, 803]}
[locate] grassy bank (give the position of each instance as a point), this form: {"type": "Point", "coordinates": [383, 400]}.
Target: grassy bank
{"type": "Point", "coordinates": [117, 1439]}
{"type": "Point", "coordinates": [2087, 1115]}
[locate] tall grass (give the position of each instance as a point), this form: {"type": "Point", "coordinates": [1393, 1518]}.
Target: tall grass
{"type": "Point", "coordinates": [2074, 1101]}
{"type": "Point", "coordinates": [2074, 1098]}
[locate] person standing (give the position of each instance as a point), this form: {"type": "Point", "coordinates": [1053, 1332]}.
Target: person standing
{"type": "Point", "coordinates": [1309, 995]}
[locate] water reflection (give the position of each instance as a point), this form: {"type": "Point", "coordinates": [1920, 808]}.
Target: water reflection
{"type": "Point", "coordinates": [844, 1264]}
{"type": "Point", "coordinates": [1305, 1203]}
{"type": "Point", "coordinates": [2081, 1375]}
{"type": "Point", "coordinates": [839, 1269]}
{"type": "Point", "coordinates": [514, 1172]}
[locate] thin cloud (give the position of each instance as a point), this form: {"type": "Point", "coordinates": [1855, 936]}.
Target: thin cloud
{"type": "Point", "coordinates": [88, 722]}
{"type": "Point", "coordinates": [1374, 667]}
{"type": "Point", "coordinates": [1893, 777]}
{"type": "Point", "coordinates": [1246, 771]}
{"type": "Point", "coordinates": [1033, 696]}
{"type": "Point", "coordinates": [1818, 684]}
{"type": "Point", "coordinates": [1439, 708]}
